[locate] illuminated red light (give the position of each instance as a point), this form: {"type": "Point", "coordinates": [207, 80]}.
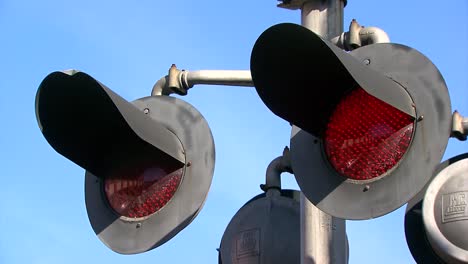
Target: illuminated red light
{"type": "Point", "coordinates": [143, 194]}
{"type": "Point", "coordinates": [366, 137]}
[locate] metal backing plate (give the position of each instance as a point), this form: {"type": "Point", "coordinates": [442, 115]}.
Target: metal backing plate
{"type": "Point", "coordinates": [339, 197]}
{"type": "Point", "coordinates": [265, 230]}
{"type": "Point", "coordinates": [414, 227]}
{"type": "Point", "coordinates": [130, 237]}
{"type": "Point", "coordinates": [445, 213]}
{"type": "Point", "coordinates": [272, 225]}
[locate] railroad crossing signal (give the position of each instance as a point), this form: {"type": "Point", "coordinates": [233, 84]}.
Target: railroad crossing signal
{"type": "Point", "coordinates": [369, 126]}
{"type": "Point", "coordinates": [149, 163]}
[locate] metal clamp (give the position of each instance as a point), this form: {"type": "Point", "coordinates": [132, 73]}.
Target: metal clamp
{"type": "Point", "coordinates": [359, 36]}
{"type": "Point", "coordinates": [459, 126]}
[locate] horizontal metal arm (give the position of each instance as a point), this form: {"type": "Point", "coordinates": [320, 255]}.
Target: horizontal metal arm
{"type": "Point", "coordinates": [179, 81]}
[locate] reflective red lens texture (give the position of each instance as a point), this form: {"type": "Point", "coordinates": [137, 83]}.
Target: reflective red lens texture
{"type": "Point", "coordinates": [144, 193]}
{"type": "Point", "coordinates": [366, 137]}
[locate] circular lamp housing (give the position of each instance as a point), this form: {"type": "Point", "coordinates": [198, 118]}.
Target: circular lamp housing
{"type": "Point", "coordinates": [354, 162]}
{"type": "Point", "coordinates": [142, 208]}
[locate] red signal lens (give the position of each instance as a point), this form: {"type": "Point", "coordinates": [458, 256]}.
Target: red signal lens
{"type": "Point", "coordinates": [143, 193]}
{"type": "Point", "coordinates": [366, 137]}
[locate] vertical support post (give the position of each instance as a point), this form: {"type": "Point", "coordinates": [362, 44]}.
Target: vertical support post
{"type": "Point", "coordinates": [323, 17]}
{"type": "Point", "coordinates": [323, 237]}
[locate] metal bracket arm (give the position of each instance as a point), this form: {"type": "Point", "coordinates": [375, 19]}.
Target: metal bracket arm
{"type": "Point", "coordinates": [179, 81]}
{"type": "Point", "coordinates": [275, 168]}
{"type": "Point", "coordinates": [359, 36]}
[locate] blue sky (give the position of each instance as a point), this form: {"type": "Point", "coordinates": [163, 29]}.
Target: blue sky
{"type": "Point", "coordinates": [129, 45]}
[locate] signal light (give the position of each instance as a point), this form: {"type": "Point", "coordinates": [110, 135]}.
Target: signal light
{"type": "Point", "coordinates": [427, 211]}
{"type": "Point", "coordinates": [368, 126]}
{"type": "Point", "coordinates": [149, 163]}
{"type": "Point", "coordinates": [445, 211]}
{"type": "Point", "coordinates": [366, 137]}
{"type": "Point", "coordinates": [143, 195]}
{"type": "Point", "coordinates": [265, 230]}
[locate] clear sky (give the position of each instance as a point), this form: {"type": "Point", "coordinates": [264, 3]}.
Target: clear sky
{"type": "Point", "coordinates": [129, 45]}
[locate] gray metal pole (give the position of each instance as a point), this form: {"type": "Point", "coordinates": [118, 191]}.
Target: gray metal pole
{"type": "Point", "coordinates": [324, 17]}
{"type": "Point", "coordinates": [323, 237]}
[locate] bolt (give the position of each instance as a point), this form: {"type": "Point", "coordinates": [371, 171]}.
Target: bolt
{"type": "Point", "coordinates": [420, 118]}
{"type": "Point", "coordinates": [146, 110]}
{"type": "Point", "coordinates": [366, 61]}
{"type": "Point", "coordinates": [366, 188]}
{"type": "Point", "coordinates": [189, 164]}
